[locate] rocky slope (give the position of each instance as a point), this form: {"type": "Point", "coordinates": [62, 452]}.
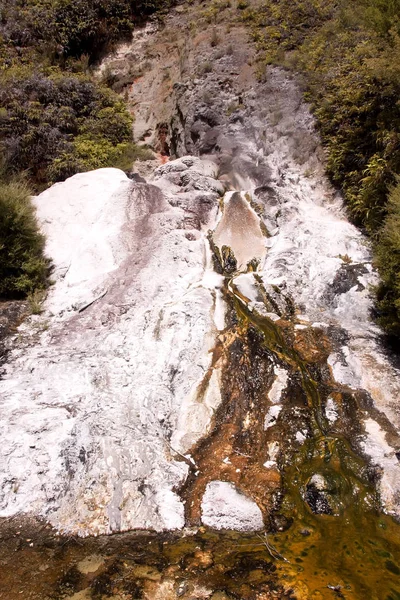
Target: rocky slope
{"type": "Point", "coordinates": [206, 354]}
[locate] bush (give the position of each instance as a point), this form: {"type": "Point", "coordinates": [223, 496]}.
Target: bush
{"type": "Point", "coordinates": [69, 28]}
{"type": "Point", "coordinates": [54, 119]}
{"type": "Point", "coordinates": [47, 121]}
{"type": "Point", "coordinates": [388, 255]}
{"type": "Point", "coordinates": [22, 265]}
{"type": "Point", "coordinates": [87, 154]}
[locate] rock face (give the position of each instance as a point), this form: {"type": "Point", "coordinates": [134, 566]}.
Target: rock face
{"type": "Point", "coordinates": [196, 342]}
{"type": "Point", "coordinates": [239, 229]}
{"type": "Point", "coordinates": [224, 507]}
{"type": "Point", "coordinates": [90, 409]}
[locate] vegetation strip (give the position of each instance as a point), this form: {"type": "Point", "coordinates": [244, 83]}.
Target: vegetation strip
{"type": "Point", "coordinates": [349, 56]}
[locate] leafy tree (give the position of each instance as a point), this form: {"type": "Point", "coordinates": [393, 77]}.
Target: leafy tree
{"type": "Point", "coordinates": [388, 256]}
{"type": "Point", "coordinates": [55, 120]}
{"type": "Point", "coordinates": [64, 28]}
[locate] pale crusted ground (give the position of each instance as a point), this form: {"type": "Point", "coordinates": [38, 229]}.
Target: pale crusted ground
{"type": "Point", "coordinates": [89, 410]}
{"type": "Point", "coordinates": [99, 398]}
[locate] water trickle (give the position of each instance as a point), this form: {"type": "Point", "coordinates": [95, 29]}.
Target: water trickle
{"type": "Point", "coordinates": [239, 229]}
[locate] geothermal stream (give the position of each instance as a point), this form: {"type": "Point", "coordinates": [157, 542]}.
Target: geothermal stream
{"type": "Point", "coordinates": [205, 408]}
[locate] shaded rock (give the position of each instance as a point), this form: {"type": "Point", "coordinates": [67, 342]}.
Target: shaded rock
{"type": "Point", "coordinates": [321, 495]}
{"type": "Point", "coordinates": [136, 177]}
{"type": "Point", "coordinates": [267, 194]}
{"type": "Point", "coordinates": [192, 180]}
{"type": "Point", "coordinates": [346, 278]}
{"type": "Point", "coordinates": [207, 115]}
{"type": "Point", "coordinates": [209, 141]}
{"type": "Point", "coordinates": [228, 260]}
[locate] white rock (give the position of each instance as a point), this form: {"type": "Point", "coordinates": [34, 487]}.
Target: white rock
{"type": "Point", "coordinates": [271, 416]}
{"type": "Point", "coordinates": [273, 450]}
{"type": "Point", "coordinates": [239, 228]}
{"type": "Point", "coordinates": [224, 507]}
{"type": "Point", "coordinates": [88, 410]}
{"type": "Point", "coordinates": [383, 455]}
{"type": "Point", "coordinates": [331, 410]}
{"type": "Point", "coordinates": [279, 385]}
{"type": "Point", "coordinates": [301, 436]}
{"type": "Point", "coordinates": [82, 220]}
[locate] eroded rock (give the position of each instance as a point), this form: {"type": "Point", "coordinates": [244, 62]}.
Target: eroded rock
{"type": "Point", "coordinates": [225, 507]}
{"type": "Point", "coordinates": [128, 329]}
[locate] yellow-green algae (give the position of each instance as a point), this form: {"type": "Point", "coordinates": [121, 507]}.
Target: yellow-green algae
{"type": "Point", "coordinates": [355, 554]}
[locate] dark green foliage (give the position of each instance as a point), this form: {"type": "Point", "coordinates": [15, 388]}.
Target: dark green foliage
{"type": "Point", "coordinates": [388, 255]}
{"type": "Point", "coordinates": [54, 119]}
{"type": "Point", "coordinates": [22, 266]}
{"type": "Point", "coordinates": [349, 54]}
{"type": "Point", "coordinates": [70, 28]}
{"type": "Point", "coordinates": [44, 118]}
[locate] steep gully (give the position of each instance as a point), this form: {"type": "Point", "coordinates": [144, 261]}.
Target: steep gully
{"type": "Point", "coordinates": [270, 380]}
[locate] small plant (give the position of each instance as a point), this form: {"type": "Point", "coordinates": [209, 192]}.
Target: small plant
{"type": "Point", "coordinates": [35, 301]}
{"type": "Point", "coordinates": [214, 38]}
{"type": "Point", "coordinates": [204, 68]}
{"type": "Point", "coordinates": [210, 15]}
{"type": "Point", "coordinates": [345, 258]}
{"type": "Point", "coordinates": [141, 153]}
{"type": "Point", "coordinates": [23, 267]}
{"type": "Point", "coordinates": [109, 77]}
{"type": "Point", "coordinates": [233, 107]}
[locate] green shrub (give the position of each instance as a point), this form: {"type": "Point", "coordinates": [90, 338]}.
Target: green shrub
{"type": "Point", "coordinates": [204, 68]}
{"type": "Point", "coordinates": [46, 122]}
{"type": "Point", "coordinates": [54, 119]}
{"type": "Point", "coordinates": [22, 265]}
{"type": "Point", "coordinates": [87, 154]}
{"type": "Point", "coordinates": [59, 29]}
{"type": "Point", "coordinates": [388, 259]}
